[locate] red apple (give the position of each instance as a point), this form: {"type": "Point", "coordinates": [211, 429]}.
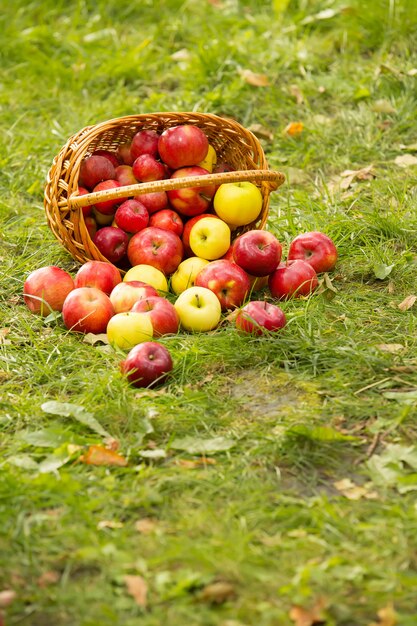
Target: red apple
{"type": "Point", "coordinates": [127, 293]}
{"type": "Point", "coordinates": [87, 310]}
{"type": "Point", "coordinates": [160, 248]}
{"type": "Point", "coordinates": [154, 201]}
{"type": "Point", "coordinates": [259, 316]}
{"type": "Point", "coordinates": [95, 169]}
{"type": "Point", "coordinates": [112, 243]}
{"type": "Point", "coordinates": [132, 216]}
{"type": "Point", "coordinates": [46, 288]}
{"type": "Point", "coordinates": [144, 142]}
{"type": "Point", "coordinates": [91, 225]}
{"type": "Point", "coordinates": [107, 207]}
{"type": "Point", "coordinates": [183, 145]}
{"type": "Point", "coordinates": [258, 252]}
{"type": "Point", "coordinates": [162, 313]}
{"type": "Point", "coordinates": [294, 279]}
{"type": "Point", "coordinates": [123, 153]}
{"type": "Point", "coordinates": [187, 229]}
{"type": "Point", "coordinates": [124, 175]}
{"type": "Point", "coordinates": [167, 219]}
{"type": "Point", "coordinates": [108, 154]}
{"type": "Point", "coordinates": [87, 210]}
{"type": "Point", "coordinates": [191, 200]}
{"type": "Point", "coordinates": [99, 274]}
{"type": "Point", "coordinates": [146, 168]}
{"type": "Point", "coordinates": [316, 248]}
{"type": "Point", "coordinates": [227, 280]}
{"type": "Point", "coordinates": [147, 364]}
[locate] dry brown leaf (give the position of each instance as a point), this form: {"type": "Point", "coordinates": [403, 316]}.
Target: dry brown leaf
{"type": "Point", "coordinates": [48, 578]}
{"type": "Point", "coordinates": [309, 617]}
{"type": "Point", "coordinates": [349, 176]}
{"type": "Point", "coordinates": [387, 617]}
{"type": "Point", "coordinates": [294, 129]}
{"type": "Point", "coordinates": [254, 79]}
{"type": "Point", "coordinates": [7, 596]}
{"type": "Point", "coordinates": [146, 525]}
{"type": "Point", "coordinates": [407, 303]}
{"type": "Point", "coordinates": [296, 92]}
{"type": "Point", "coordinates": [137, 588]}
{"type": "Point", "coordinates": [3, 334]}
{"type": "Point", "coordinates": [218, 592]}
{"type": "Point", "coordinates": [112, 444]}
{"type": "Point", "coordinates": [393, 348]}
{"type": "Point", "coordinates": [405, 160]}
{"type": "Point", "coordinates": [98, 455]}
{"type": "Point", "coordinates": [354, 492]}
{"type": "Point", "coordinates": [195, 463]}
{"type": "Point", "coordinates": [105, 523]}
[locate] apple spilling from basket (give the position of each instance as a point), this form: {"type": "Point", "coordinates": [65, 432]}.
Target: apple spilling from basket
{"type": "Point", "coordinates": [185, 269]}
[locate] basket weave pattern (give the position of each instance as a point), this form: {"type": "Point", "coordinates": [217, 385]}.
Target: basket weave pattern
{"type": "Point", "coordinates": [233, 144]}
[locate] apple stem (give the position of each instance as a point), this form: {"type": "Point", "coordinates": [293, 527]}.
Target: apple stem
{"type": "Point", "coordinates": [198, 301]}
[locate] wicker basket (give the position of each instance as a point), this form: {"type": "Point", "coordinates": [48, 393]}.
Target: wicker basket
{"type": "Point", "coordinates": [232, 142]}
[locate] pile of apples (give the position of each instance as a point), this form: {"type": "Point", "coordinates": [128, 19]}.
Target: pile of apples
{"type": "Point", "coordinates": [185, 268]}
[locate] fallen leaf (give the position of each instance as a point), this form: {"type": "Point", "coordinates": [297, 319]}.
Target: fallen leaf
{"type": "Point", "coordinates": [181, 55]}
{"type": "Point", "coordinates": [66, 409]}
{"type": "Point", "coordinates": [112, 444]}
{"type": "Point", "coordinates": [254, 79]}
{"type": "Point", "coordinates": [195, 445]}
{"type": "Point", "coordinates": [48, 578]}
{"type": "Point", "coordinates": [7, 596]}
{"type": "Point", "coordinates": [349, 176]}
{"type": "Point", "coordinates": [109, 524]}
{"type": "Point", "coordinates": [218, 592]}
{"type": "Point", "coordinates": [146, 526]}
{"type": "Point", "coordinates": [294, 129]}
{"type": "Point", "coordinates": [412, 147]}
{"type": "Point", "coordinates": [156, 454]}
{"type": "Point", "coordinates": [308, 617]}
{"type": "Point", "coordinates": [92, 339]}
{"type": "Point", "coordinates": [382, 271]}
{"type": "Point", "coordinates": [393, 348]}
{"type": "Point", "coordinates": [387, 617]}
{"type": "Point", "coordinates": [98, 455]}
{"type": "Point", "coordinates": [196, 463]}
{"type": "Point", "coordinates": [296, 92]}
{"type": "Point", "coordinates": [405, 160]}
{"type": "Point", "coordinates": [261, 131]}
{"type": "Point", "coordinates": [407, 303]}
{"type": "Point", "coordinates": [137, 588]}
{"type": "Point", "coordinates": [351, 491]}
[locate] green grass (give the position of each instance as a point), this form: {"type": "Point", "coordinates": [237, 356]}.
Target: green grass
{"type": "Point", "coordinates": [326, 400]}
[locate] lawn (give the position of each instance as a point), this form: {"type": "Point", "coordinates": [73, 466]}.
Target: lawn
{"type": "Point", "coordinates": [272, 480]}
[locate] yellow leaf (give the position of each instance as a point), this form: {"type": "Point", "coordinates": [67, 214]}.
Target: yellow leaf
{"type": "Point", "coordinates": [254, 79]}
{"type": "Point", "coordinates": [98, 455]}
{"type": "Point", "coordinates": [351, 491]}
{"type": "Point", "coordinates": [407, 303]}
{"type": "Point", "coordinates": [391, 347]}
{"type": "Point", "coordinates": [294, 129]}
{"type": "Point", "coordinates": [137, 588]}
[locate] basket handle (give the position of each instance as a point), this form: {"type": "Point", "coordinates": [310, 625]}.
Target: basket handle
{"type": "Point", "coordinates": [274, 179]}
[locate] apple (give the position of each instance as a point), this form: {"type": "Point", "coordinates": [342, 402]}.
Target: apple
{"type": "Point", "coordinates": [258, 252]}
{"type": "Point", "coordinates": [127, 329]}
{"type": "Point", "coordinates": [198, 308]}
{"type": "Point", "coordinates": [238, 204]}
{"type": "Point", "coordinates": [91, 225]}
{"type": "Point", "coordinates": [107, 207]}
{"type": "Point", "coordinates": [124, 175]}
{"type": "Point", "coordinates": [191, 201]}
{"type": "Point", "coordinates": [126, 294]}
{"type": "Point", "coordinates": [112, 243]}
{"type": "Point", "coordinates": [95, 169]}
{"type": "Point", "coordinates": [294, 279]}
{"type": "Point", "coordinates": [123, 153]}
{"type": "Point", "coordinates": [227, 280]}
{"type": "Point", "coordinates": [182, 145]}
{"type": "Point", "coordinates": [132, 216]}
{"type": "Point", "coordinates": [149, 275]}
{"type": "Point", "coordinates": [144, 142]}
{"type": "Point", "coordinates": [87, 210]}
{"type": "Point", "coordinates": [104, 276]}
{"type": "Point", "coordinates": [259, 316]}
{"type": "Point", "coordinates": [167, 219]}
{"type": "Point", "coordinates": [316, 248]}
{"type": "Point", "coordinates": [146, 168]}
{"type": "Point", "coordinates": [210, 238]}
{"type": "Point", "coordinates": [87, 310]}
{"type": "Point", "coordinates": [108, 154]}
{"type": "Point", "coordinates": [185, 274]}
{"type": "Point", "coordinates": [101, 219]}
{"type": "Point", "coordinates": [154, 246]}
{"type": "Point", "coordinates": [210, 160]}
{"type": "Point", "coordinates": [188, 224]}
{"type": "Point", "coordinates": [154, 201]}
{"type": "Point", "coordinates": [46, 288]}
{"type": "Point", "coordinates": [147, 364]}
{"type": "Point", "coordinates": [163, 315]}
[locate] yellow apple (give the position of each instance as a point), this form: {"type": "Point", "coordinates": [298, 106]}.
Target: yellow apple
{"type": "Point", "coordinates": [198, 309]}
{"type": "Point", "coordinates": [147, 274]}
{"type": "Point", "coordinates": [185, 274]}
{"type": "Point", "coordinates": [101, 219]}
{"type": "Point", "coordinates": [238, 204]}
{"type": "Point", "coordinates": [126, 330]}
{"type": "Point", "coordinates": [210, 160]}
{"type": "Point", "coordinates": [210, 238]}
